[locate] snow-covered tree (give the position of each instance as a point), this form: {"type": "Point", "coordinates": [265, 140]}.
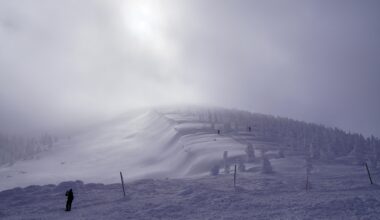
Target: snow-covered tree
{"type": "Point", "coordinates": [225, 155]}
{"type": "Point", "coordinates": [241, 165]}
{"type": "Point", "coordinates": [215, 170]}
{"type": "Point", "coordinates": [314, 151]}
{"type": "Point", "coordinates": [309, 168]}
{"type": "Point", "coordinates": [14, 148]}
{"type": "Point", "coordinates": [250, 152]}
{"type": "Point", "coordinates": [358, 153]}
{"type": "Point", "coordinates": [266, 166]}
{"type": "Point", "coordinates": [226, 163]}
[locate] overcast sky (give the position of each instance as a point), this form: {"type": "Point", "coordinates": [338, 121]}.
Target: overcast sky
{"type": "Point", "coordinates": [63, 61]}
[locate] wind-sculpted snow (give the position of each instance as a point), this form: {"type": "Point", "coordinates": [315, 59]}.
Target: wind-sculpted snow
{"type": "Point", "coordinates": [257, 196]}
{"type": "Point", "coordinates": [146, 144]}
{"type": "Point", "coordinates": [177, 142]}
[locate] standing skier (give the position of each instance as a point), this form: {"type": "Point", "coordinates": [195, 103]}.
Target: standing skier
{"type": "Point", "coordinates": [70, 198]}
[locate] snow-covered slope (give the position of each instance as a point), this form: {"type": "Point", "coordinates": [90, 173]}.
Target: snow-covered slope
{"type": "Point", "coordinates": [338, 192]}
{"type": "Point", "coordinates": [166, 155]}
{"type": "Point", "coordinates": [178, 142]}
{"type": "Point", "coordinates": [145, 144]}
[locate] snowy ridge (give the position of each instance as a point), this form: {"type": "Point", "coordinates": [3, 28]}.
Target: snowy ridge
{"type": "Point", "coordinates": [180, 142]}
{"type": "Point", "coordinates": [144, 144]}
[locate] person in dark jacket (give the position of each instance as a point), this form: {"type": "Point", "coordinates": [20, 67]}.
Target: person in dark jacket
{"type": "Point", "coordinates": [70, 198]}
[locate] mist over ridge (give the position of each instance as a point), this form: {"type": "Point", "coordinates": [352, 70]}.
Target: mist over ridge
{"type": "Point", "coordinates": [69, 62]}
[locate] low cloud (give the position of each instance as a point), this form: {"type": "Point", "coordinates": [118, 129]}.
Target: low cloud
{"type": "Point", "coordinates": [64, 61]}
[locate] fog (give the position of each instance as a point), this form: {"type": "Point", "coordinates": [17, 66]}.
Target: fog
{"type": "Point", "coordinates": [64, 62]}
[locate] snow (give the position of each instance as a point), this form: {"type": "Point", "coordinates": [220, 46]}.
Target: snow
{"type": "Point", "coordinates": [143, 145]}
{"type": "Point", "coordinates": [166, 156]}
{"type": "Point", "coordinates": [280, 195]}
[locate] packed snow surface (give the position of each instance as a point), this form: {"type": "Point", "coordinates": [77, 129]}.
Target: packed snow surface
{"type": "Point", "coordinates": [338, 192]}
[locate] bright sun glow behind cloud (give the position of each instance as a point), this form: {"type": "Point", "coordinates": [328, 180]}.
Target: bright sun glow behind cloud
{"type": "Point", "coordinates": [72, 59]}
{"type": "Point", "coordinates": [143, 18]}
{"type": "Point", "coordinates": [148, 24]}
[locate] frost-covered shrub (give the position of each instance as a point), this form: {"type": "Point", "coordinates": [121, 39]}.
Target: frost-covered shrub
{"type": "Point", "coordinates": [227, 168]}
{"type": "Point", "coordinates": [226, 163]}
{"type": "Point", "coordinates": [215, 170]}
{"type": "Point", "coordinates": [250, 152]}
{"type": "Point", "coordinates": [225, 155]}
{"type": "Point", "coordinates": [267, 166]}
{"type": "Point", "coordinates": [241, 166]}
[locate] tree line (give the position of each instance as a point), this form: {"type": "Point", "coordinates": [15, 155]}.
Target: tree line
{"type": "Point", "coordinates": [321, 141]}
{"type": "Point", "coordinates": [14, 147]}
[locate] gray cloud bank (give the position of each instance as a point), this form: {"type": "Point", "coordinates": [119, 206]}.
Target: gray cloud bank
{"type": "Point", "coordinates": [68, 61]}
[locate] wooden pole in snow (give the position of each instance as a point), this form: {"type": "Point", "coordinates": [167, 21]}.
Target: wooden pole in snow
{"type": "Point", "coordinates": [307, 180]}
{"type": "Point", "coordinates": [369, 174]}
{"type": "Point", "coordinates": [235, 176]}
{"type": "Point", "coordinates": [122, 182]}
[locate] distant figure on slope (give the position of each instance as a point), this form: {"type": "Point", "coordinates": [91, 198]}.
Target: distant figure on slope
{"type": "Point", "coordinates": [249, 128]}
{"type": "Point", "coordinates": [218, 131]}
{"type": "Point", "coordinates": [70, 198]}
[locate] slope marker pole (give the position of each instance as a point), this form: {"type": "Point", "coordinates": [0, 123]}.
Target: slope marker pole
{"type": "Point", "coordinates": [122, 182]}
{"type": "Point", "coordinates": [307, 181]}
{"type": "Point", "coordinates": [235, 177]}
{"type": "Point", "coordinates": [369, 174]}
